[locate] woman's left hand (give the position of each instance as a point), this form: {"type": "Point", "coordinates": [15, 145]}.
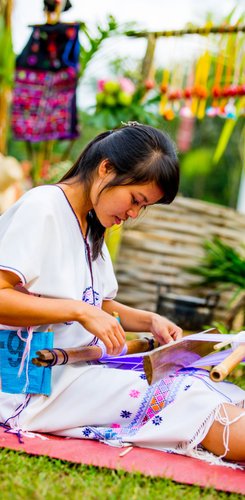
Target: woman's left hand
{"type": "Point", "coordinates": [164, 330]}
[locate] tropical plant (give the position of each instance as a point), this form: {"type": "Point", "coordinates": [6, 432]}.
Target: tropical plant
{"type": "Point", "coordinates": [223, 266]}
{"type": "Point", "coordinates": [93, 42]}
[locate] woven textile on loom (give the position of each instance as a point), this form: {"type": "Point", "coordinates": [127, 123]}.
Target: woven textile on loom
{"type": "Point", "coordinates": [44, 99]}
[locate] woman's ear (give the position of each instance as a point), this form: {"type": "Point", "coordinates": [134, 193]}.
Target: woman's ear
{"type": "Point", "coordinates": [104, 169]}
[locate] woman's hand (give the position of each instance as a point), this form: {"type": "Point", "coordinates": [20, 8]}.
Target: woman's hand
{"type": "Point", "coordinates": [105, 327]}
{"type": "Point", "coordinates": [164, 330]}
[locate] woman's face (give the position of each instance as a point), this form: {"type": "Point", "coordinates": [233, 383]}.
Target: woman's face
{"type": "Point", "coordinates": [118, 203]}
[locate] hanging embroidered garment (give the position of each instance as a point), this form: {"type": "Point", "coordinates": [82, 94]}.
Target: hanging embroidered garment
{"type": "Point", "coordinates": [44, 98]}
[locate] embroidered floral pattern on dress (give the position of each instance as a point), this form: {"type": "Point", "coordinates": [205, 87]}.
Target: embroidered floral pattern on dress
{"type": "Point", "coordinates": [87, 432]}
{"type": "Point", "coordinates": [157, 420]}
{"type": "Point", "coordinates": [134, 393]}
{"type": "Point", "coordinates": [125, 414]}
{"type": "Point", "coordinates": [156, 397]}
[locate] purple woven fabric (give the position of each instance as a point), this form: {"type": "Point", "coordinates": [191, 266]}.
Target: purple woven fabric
{"type": "Point", "coordinates": [136, 362]}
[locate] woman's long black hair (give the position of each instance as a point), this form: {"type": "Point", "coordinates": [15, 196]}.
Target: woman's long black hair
{"type": "Point", "coordinates": [138, 154]}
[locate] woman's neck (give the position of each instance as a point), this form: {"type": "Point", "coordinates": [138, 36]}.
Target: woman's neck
{"type": "Point", "coordinates": [79, 200]}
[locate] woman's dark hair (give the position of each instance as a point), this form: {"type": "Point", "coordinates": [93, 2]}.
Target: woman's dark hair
{"type": "Point", "coordinates": [138, 154]}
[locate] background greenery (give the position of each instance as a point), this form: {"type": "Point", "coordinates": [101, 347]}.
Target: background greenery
{"type": "Point", "coordinates": [200, 177]}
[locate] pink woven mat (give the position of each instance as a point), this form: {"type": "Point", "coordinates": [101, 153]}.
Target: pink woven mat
{"type": "Point", "coordinates": [149, 462]}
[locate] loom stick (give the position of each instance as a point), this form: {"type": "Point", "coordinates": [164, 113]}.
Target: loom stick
{"type": "Point", "coordinates": [179, 354]}
{"type": "Point", "coordinates": [220, 372]}
{"type": "Point", "coordinates": [51, 357]}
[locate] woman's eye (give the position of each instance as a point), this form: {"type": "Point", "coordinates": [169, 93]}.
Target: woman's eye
{"type": "Point", "coordinates": [134, 201]}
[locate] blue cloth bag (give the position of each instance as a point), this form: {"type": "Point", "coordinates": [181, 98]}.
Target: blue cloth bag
{"type": "Point", "coordinates": [33, 379]}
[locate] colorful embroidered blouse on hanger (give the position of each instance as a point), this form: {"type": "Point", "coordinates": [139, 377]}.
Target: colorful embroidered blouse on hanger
{"type": "Point", "coordinates": [44, 99]}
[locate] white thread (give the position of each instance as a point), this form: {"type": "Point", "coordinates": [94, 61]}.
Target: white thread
{"type": "Point", "coordinates": [26, 353]}
{"type": "Point", "coordinates": [224, 420]}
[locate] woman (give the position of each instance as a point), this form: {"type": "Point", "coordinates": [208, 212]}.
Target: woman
{"type": "Point", "coordinates": [52, 244]}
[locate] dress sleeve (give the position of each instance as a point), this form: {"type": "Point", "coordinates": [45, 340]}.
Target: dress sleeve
{"type": "Point", "coordinates": [110, 286]}
{"type": "Point", "coordinates": [25, 234]}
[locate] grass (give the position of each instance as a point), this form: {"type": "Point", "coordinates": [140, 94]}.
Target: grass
{"type": "Point", "coordinates": [42, 478]}
{"type": "Point", "coordinates": [23, 476]}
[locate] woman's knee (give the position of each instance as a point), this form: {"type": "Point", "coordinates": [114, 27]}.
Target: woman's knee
{"type": "Point", "coordinates": [226, 436]}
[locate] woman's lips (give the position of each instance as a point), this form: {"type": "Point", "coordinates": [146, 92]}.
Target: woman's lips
{"type": "Point", "coordinates": [118, 220]}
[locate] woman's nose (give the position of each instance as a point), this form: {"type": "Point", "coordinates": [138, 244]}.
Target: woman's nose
{"type": "Point", "coordinates": [133, 212]}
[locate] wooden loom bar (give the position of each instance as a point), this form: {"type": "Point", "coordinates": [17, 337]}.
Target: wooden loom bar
{"type": "Point", "coordinates": [51, 357]}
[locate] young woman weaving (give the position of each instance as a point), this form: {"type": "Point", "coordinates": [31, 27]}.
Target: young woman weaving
{"type": "Point", "coordinates": [52, 244]}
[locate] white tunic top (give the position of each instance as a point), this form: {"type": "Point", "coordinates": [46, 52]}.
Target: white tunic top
{"type": "Point", "coordinates": [52, 258]}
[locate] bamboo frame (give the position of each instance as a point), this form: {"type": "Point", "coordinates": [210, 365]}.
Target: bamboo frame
{"type": "Point", "coordinates": [152, 36]}
{"type": "Point", "coordinates": [206, 30]}
{"type": "Point", "coordinates": [222, 370]}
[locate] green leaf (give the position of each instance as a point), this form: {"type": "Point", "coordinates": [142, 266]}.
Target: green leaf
{"type": "Point", "coordinates": [224, 139]}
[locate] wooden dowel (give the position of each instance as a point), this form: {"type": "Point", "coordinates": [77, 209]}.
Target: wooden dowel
{"type": "Point", "coordinates": [51, 357]}
{"type": "Point", "coordinates": [220, 345]}
{"type": "Point", "coordinates": [220, 372]}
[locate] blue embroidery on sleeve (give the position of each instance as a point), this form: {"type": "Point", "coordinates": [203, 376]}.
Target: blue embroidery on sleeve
{"type": "Point", "coordinates": [90, 296]}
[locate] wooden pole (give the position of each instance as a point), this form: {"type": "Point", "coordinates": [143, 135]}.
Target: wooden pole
{"type": "Point", "coordinates": [221, 371]}
{"type": "Point", "coordinates": [5, 90]}
{"type": "Point", "coordinates": [147, 64]}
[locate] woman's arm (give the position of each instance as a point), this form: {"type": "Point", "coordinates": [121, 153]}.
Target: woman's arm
{"type": "Point", "coordinates": [21, 309]}
{"type": "Point", "coordinates": [136, 320]}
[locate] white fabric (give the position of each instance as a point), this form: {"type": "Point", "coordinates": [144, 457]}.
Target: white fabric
{"type": "Point", "coordinates": [41, 241]}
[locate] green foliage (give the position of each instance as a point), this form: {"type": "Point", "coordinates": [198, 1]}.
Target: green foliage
{"type": "Point", "coordinates": [224, 139]}
{"type": "Point", "coordinates": [224, 329]}
{"type": "Point", "coordinates": [94, 42]}
{"type": "Point", "coordinates": [7, 58]}
{"type": "Point", "coordinates": [110, 118]}
{"type": "Point", "coordinates": [221, 264]}
{"type": "Point", "coordinates": [199, 162]}
{"type": "Point", "coordinates": [220, 184]}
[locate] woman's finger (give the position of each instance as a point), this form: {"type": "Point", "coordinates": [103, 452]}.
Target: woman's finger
{"type": "Point", "coordinates": [177, 335]}
{"type": "Point", "coordinates": [114, 342]}
{"type": "Point", "coordinates": [120, 334]}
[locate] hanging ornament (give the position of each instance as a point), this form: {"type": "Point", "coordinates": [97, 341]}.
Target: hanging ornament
{"type": "Point", "coordinates": [163, 90]}
{"type": "Point", "coordinates": [217, 87]}
{"type": "Point", "coordinates": [200, 91]}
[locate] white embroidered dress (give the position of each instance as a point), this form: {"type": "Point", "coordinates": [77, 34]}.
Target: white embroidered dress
{"type": "Point", "coordinates": [41, 242]}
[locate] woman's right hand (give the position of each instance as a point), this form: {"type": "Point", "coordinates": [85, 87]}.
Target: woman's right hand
{"type": "Point", "coordinates": [23, 309]}
{"type": "Point", "coordinates": [105, 327]}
